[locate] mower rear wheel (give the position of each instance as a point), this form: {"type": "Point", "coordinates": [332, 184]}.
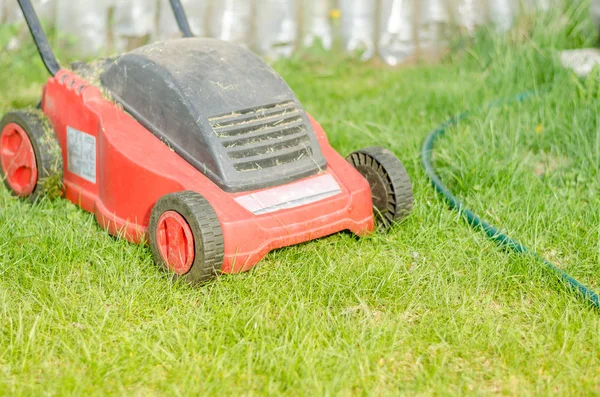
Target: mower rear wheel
{"type": "Point", "coordinates": [31, 163]}
{"type": "Point", "coordinates": [186, 237]}
{"type": "Point", "coordinates": [391, 190]}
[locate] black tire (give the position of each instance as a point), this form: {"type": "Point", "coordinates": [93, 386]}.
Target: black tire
{"type": "Point", "coordinates": [48, 155]}
{"type": "Point", "coordinates": [391, 189]}
{"type": "Point", "coordinates": [206, 230]}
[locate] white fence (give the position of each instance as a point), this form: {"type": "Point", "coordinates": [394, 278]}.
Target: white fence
{"type": "Point", "coordinates": [396, 30]}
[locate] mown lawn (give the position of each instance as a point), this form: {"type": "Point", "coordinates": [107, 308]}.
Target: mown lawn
{"type": "Point", "coordinates": [430, 308]}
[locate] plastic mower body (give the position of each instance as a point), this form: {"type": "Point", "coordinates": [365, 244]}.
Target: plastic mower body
{"type": "Point", "coordinates": [199, 148]}
{"type": "Point", "coordinates": [133, 169]}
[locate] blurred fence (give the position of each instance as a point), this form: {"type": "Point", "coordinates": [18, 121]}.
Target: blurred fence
{"type": "Point", "coordinates": [396, 30]}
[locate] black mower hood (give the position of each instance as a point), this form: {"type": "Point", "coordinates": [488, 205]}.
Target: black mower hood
{"type": "Point", "coordinates": [221, 108]}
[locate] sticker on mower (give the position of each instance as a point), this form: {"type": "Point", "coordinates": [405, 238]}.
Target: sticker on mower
{"type": "Point", "coordinates": [81, 149]}
{"type": "Point", "coordinates": [290, 196]}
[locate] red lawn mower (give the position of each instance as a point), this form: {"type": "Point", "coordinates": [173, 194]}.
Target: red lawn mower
{"type": "Point", "coordinates": [198, 147]}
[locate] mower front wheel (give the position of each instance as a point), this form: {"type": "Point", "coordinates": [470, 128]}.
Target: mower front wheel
{"type": "Point", "coordinates": [186, 237]}
{"type": "Point", "coordinates": [391, 190]}
{"type": "Point", "coordinates": [31, 162]}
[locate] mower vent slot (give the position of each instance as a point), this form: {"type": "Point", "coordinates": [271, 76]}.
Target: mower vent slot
{"type": "Point", "coordinates": [261, 162]}
{"type": "Point", "coordinates": [256, 150]}
{"type": "Point", "coordinates": [264, 137]}
{"type": "Point", "coordinates": [255, 126]}
{"type": "Point", "coordinates": [263, 114]}
{"type": "Point", "coordinates": [254, 111]}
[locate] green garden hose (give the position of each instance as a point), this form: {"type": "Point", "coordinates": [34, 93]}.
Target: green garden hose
{"type": "Point", "coordinates": [476, 222]}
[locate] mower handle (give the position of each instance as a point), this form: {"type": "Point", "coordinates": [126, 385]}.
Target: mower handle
{"type": "Point", "coordinates": [182, 21]}
{"type": "Point", "coordinates": [43, 45]}
{"type": "Point", "coordinates": [40, 38]}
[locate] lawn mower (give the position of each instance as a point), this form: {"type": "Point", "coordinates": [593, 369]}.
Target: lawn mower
{"type": "Point", "coordinates": [197, 147]}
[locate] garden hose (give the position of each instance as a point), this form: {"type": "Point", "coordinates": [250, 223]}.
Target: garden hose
{"type": "Point", "coordinates": [476, 222]}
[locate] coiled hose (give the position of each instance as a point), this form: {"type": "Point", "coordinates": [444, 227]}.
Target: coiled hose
{"type": "Point", "coordinates": [476, 222]}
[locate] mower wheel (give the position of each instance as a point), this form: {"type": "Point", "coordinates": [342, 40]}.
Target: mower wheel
{"type": "Point", "coordinates": [186, 237]}
{"type": "Point", "coordinates": [391, 189]}
{"type": "Point", "coordinates": [31, 163]}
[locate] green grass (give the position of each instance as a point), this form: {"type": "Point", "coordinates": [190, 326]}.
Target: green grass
{"type": "Point", "coordinates": [430, 308]}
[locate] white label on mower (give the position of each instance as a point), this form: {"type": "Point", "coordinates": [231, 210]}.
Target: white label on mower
{"type": "Point", "coordinates": [290, 196]}
{"type": "Point", "coordinates": [81, 148]}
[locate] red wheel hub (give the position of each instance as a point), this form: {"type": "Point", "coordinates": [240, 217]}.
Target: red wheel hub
{"type": "Point", "coordinates": [18, 159]}
{"type": "Point", "coordinates": [175, 242]}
